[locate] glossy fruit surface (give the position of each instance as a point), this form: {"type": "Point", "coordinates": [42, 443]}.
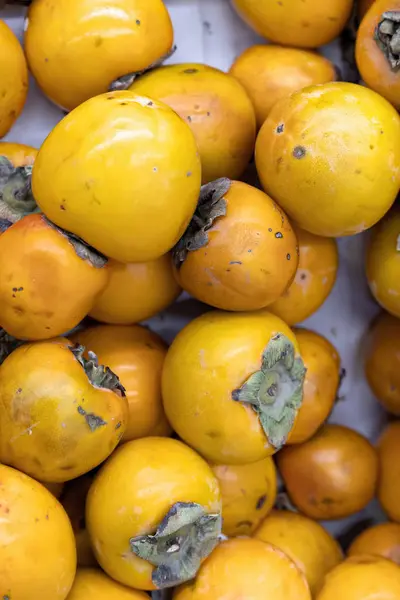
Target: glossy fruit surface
{"type": "Point", "coordinates": [314, 279]}
{"type": "Point", "coordinates": [49, 281]}
{"type": "Point", "coordinates": [362, 578]}
{"type": "Point", "coordinates": [269, 72]}
{"type": "Point", "coordinates": [225, 386]}
{"type": "Point", "coordinates": [13, 78]}
{"type": "Point", "coordinates": [92, 584]}
{"type": "Point", "coordinates": [314, 551]}
{"type": "Point", "coordinates": [301, 23]}
{"type": "Point", "coordinates": [337, 147]}
{"type": "Point", "coordinates": [136, 291]}
{"type": "Point", "coordinates": [136, 355]}
{"type": "Point", "coordinates": [217, 109]}
{"type": "Point", "coordinates": [240, 251]}
{"type": "Point", "coordinates": [382, 539]}
{"type": "Point", "coordinates": [56, 423]}
{"type": "Point", "coordinates": [77, 49]}
{"type": "Point", "coordinates": [94, 201]}
{"type": "Point", "coordinates": [19, 154]}
{"type": "Point", "coordinates": [389, 479]}
{"type": "Point", "coordinates": [246, 568]}
{"type": "Point", "coordinates": [382, 362]}
{"type": "Point", "coordinates": [248, 494]}
{"type": "Point", "coordinates": [377, 52]}
{"type": "Point", "coordinates": [37, 548]}
{"type": "Point", "coordinates": [144, 495]}
{"type": "Point", "coordinates": [383, 262]}
{"type": "Point", "coordinates": [332, 475]}
{"type": "Point", "coordinates": [320, 384]}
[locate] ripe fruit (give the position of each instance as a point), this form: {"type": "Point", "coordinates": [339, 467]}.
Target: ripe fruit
{"type": "Point", "coordinates": [13, 79]}
{"type": "Point", "coordinates": [362, 578]}
{"type": "Point", "coordinates": [337, 147]}
{"type": "Point", "coordinates": [77, 49]}
{"type": "Point", "coordinates": [154, 161]}
{"type": "Point", "coordinates": [248, 494]}
{"type": "Point", "coordinates": [313, 550]}
{"type": "Point", "coordinates": [269, 73]}
{"type": "Point", "coordinates": [332, 475]}
{"type": "Point", "coordinates": [136, 291]}
{"type": "Point", "coordinates": [92, 584]}
{"type": "Point", "coordinates": [314, 279]}
{"type": "Point", "coordinates": [382, 364]}
{"type": "Point", "coordinates": [232, 385]}
{"type": "Point", "coordinates": [217, 109]}
{"type": "Point", "coordinates": [377, 49]}
{"type": "Point", "coordinates": [382, 539]}
{"type": "Point", "coordinates": [246, 568]}
{"type": "Point", "coordinates": [49, 280]}
{"type": "Point", "coordinates": [153, 513]}
{"type": "Point", "coordinates": [389, 479]}
{"type": "Point", "coordinates": [321, 383]}
{"type": "Point", "coordinates": [37, 547]}
{"type": "Point", "coordinates": [383, 262]}
{"type": "Point", "coordinates": [239, 251]}
{"type": "Point", "coordinates": [301, 23]}
{"type": "Point", "coordinates": [136, 355]}
{"type": "Point", "coordinates": [60, 414]}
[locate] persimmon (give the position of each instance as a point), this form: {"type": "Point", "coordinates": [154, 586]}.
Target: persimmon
{"type": "Point", "coordinates": [382, 539]}
{"type": "Point", "coordinates": [239, 251]}
{"type": "Point", "coordinates": [93, 584]}
{"type": "Point", "coordinates": [13, 78]}
{"type": "Point", "coordinates": [389, 476]}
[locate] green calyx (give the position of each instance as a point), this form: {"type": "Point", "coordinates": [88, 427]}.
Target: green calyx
{"type": "Point", "coordinates": [125, 82]}
{"type": "Point", "coordinates": [276, 391]}
{"type": "Point", "coordinates": [211, 206]}
{"type": "Point", "coordinates": [387, 36]}
{"type": "Point", "coordinates": [185, 537]}
{"type": "Point", "coordinates": [98, 375]}
{"type": "Point", "coordinates": [83, 250]}
{"type": "Point", "coordinates": [8, 344]}
{"type": "Point", "coordinates": [16, 199]}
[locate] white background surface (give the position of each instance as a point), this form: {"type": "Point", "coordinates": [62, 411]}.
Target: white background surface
{"type": "Point", "coordinates": [209, 31]}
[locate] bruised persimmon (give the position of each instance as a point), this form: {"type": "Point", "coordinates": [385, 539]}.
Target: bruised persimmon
{"type": "Point", "coordinates": [269, 72]}
{"type": "Point", "coordinates": [382, 539]}
{"type": "Point", "coordinates": [136, 291]}
{"type": "Point", "coordinates": [389, 470]}
{"type": "Point", "coordinates": [13, 78]}
{"type": "Point", "coordinates": [49, 279]}
{"type": "Point", "coordinates": [383, 262]}
{"type": "Point", "coordinates": [314, 279]}
{"type": "Point", "coordinates": [378, 49]}
{"type": "Point", "coordinates": [233, 384]}
{"type": "Point", "coordinates": [76, 49]}
{"type": "Point", "coordinates": [382, 361]}
{"type": "Point", "coordinates": [153, 513]}
{"type": "Point", "coordinates": [239, 251]}
{"type": "Point", "coordinates": [300, 23]}
{"type": "Point", "coordinates": [332, 475]}
{"type": "Point", "coordinates": [248, 494]}
{"type": "Point", "coordinates": [136, 355]}
{"type": "Point", "coordinates": [61, 415]}
{"type": "Point", "coordinates": [321, 383]}
{"type": "Point", "coordinates": [217, 109]}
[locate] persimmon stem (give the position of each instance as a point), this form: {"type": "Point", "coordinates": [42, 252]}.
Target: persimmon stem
{"type": "Point", "coordinates": [387, 36]}
{"type": "Point", "coordinates": [16, 198]}
{"type": "Point", "coordinates": [98, 375]}
{"type": "Point", "coordinates": [125, 82]}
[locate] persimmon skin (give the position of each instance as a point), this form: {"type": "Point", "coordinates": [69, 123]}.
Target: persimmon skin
{"type": "Point", "coordinates": [136, 291]}
{"type": "Point", "coordinates": [217, 109]}
{"type": "Point", "coordinates": [372, 63]}
{"type": "Point", "coordinates": [383, 262]}
{"type": "Point", "coordinates": [250, 258]}
{"type": "Point", "coordinates": [382, 539]}
{"type": "Point", "coordinates": [41, 269]}
{"type": "Point", "coordinates": [19, 155]}
{"type": "Point", "coordinates": [314, 280]}
{"type": "Point", "coordinates": [270, 72]}
{"type": "Point", "coordinates": [299, 23]}
{"type": "Point", "coordinates": [93, 584]}
{"type": "Point", "coordinates": [389, 480]}
{"type": "Point", "coordinates": [136, 355]}
{"type": "Point", "coordinates": [332, 475]}
{"type": "Point", "coordinates": [13, 77]}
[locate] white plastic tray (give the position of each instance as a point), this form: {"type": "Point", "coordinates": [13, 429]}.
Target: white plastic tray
{"type": "Point", "coordinates": [209, 31]}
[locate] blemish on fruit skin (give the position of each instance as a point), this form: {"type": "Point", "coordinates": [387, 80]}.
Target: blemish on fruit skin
{"type": "Point", "coordinates": [299, 152]}
{"type": "Point", "coordinates": [235, 262]}
{"type": "Point", "coordinates": [288, 256]}
{"type": "Point", "coordinates": [280, 128]}
{"type": "Point", "coordinates": [279, 235]}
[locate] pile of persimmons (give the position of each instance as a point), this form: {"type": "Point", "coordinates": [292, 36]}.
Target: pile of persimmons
{"type": "Point", "coordinates": [128, 467]}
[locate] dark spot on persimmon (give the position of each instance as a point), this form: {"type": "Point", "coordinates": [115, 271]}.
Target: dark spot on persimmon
{"type": "Point", "coordinates": [213, 434]}
{"type": "Point", "coordinates": [190, 71]}
{"type": "Point", "coordinates": [235, 262]}
{"type": "Point", "coordinates": [189, 118]}
{"type": "Point", "coordinates": [118, 425]}
{"type": "Point", "coordinates": [279, 235]}
{"type": "Point", "coordinates": [288, 257]}
{"type": "Point", "coordinates": [62, 207]}
{"type": "Point", "coordinates": [123, 103]}
{"type": "Point", "coordinates": [303, 276]}
{"type": "Point", "coordinates": [327, 501]}
{"type": "Point", "coordinates": [261, 501]}
{"type": "Point", "coordinates": [12, 114]}
{"type": "Point", "coordinates": [280, 128]}
{"type": "Point", "coordinates": [138, 22]}
{"type": "Point", "coordinates": [67, 467]}
{"type": "Point", "coordinates": [189, 174]}
{"type": "Point", "coordinates": [150, 103]}
{"type": "Point", "coordinates": [98, 41]}
{"type": "Point", "coordinates": [270, 229]}
{"type": "Point", "coordinates": [299, 152]}
{"type": "Point", "coordinates": [371, 147]}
